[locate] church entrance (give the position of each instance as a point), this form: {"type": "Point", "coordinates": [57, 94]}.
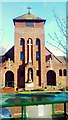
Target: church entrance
{"type": "Point", "coordinates": [51, 78]}
{"type": "Point", "coordinates": [9, 79]}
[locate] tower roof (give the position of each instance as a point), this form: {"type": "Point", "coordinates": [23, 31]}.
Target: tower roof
{"type": "Point", "coordinates": [28, 17]}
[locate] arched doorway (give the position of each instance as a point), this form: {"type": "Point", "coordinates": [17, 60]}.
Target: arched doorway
{"type": "Point", "coordinates": [9, 79]}
{"type": "Point", "coordinates": [51, 78]}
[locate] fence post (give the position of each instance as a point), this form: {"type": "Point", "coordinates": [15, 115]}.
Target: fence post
{"type": "Point", "coordinates": [23, 112]}
{"type": "Point", "coordinates": [52, 111]}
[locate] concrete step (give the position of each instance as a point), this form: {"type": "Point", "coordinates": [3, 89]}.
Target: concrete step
{"type": "Point", "coordinates": [8, 90]}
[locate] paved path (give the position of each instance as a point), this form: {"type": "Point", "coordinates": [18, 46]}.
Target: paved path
{"type": "Point", "coordinates": [41, 111]}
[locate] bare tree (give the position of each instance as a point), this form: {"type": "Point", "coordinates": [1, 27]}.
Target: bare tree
{"type": "Point", "coordinates": [61, 42]}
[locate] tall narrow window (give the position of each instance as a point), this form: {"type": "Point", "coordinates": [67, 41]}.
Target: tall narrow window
{"type": "Point", "coordinates": [60, 72]}
{"type": "Point", "coordinates": [22, 41]}
{"type": "Point", "coordinates": [38, 42]}
{"type": "Point", "coordinates": [21, 56]}
{"type": "Point", "coordinates": [37, 55]}
{"type": "Point", "coordinates": [64, 72]}
{"type": "Point", "coordinates": [37, 72]}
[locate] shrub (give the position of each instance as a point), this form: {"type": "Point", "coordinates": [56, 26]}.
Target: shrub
{"type": "Point", "coordinates": [38, 89]}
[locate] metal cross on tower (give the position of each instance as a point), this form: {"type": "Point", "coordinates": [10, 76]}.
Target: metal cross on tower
{"type": "Point", "coordinates": [28, 9]}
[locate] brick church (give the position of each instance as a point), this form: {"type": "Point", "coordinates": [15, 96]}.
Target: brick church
{"type": "Point", "coordinates": [29, 64]}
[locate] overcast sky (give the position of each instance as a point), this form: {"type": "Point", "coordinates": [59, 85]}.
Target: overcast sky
{"type": "Point", "coordinates": [10, 10]}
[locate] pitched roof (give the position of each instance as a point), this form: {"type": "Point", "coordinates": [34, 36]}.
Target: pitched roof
{"type": "Point", "coordinates": [8, 54]}
{"type": "Point", "coordinates": [57, 57]}
{"type": "Point", "coordinates": [28, 17]}
{"type": "Point", "coordinates": [62, 58]}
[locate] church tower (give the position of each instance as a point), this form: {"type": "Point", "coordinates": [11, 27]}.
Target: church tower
{"type": "Point", "coordinates": [29, 47]}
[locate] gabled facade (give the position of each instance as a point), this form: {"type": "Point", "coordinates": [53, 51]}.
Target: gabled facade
{"type": "Point", "coordinates": [29, 64]}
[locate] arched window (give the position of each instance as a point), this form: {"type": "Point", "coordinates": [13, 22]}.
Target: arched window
{"type": "Point", "coordinates": [64, 72]}
{"type": "Point", "coordinates": [60, 72]}
{"type": "Point", "coordinates": [38, 41]}
{"type": "Point", "coordinates": [22, 41]}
